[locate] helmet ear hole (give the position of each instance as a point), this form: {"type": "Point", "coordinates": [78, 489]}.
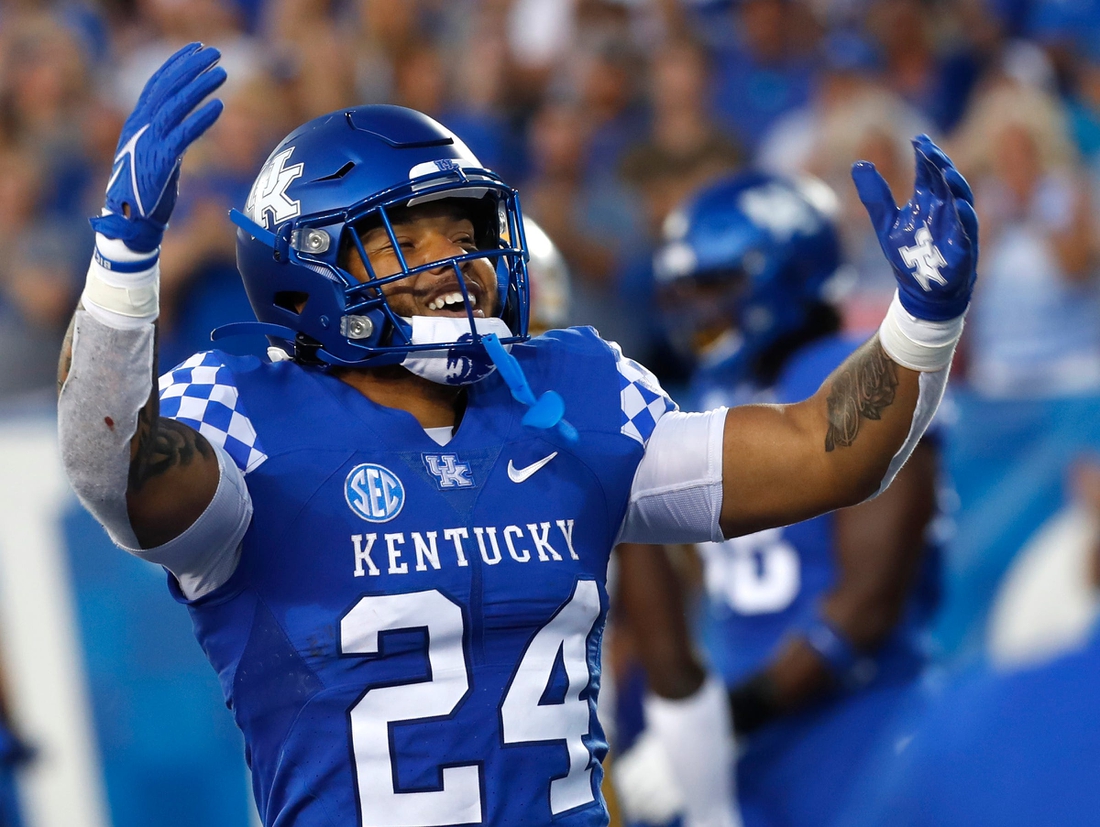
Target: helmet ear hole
{"type": "Point", "coordinates": [292, 300]}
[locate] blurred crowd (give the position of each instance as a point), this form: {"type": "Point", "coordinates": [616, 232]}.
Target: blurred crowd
{"type": "Point", "coordinates": [604, 114]}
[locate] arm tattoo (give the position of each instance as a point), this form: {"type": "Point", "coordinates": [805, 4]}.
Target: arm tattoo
{"type": "Point", "coordinates": [166, 446]}
{"type": "Point", "coordinates": [862, 389]}
{"type": "Point", "coordinates": [162, 444]}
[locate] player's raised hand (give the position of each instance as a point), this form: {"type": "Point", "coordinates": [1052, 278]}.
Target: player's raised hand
{"type": "Point", "coordinates": [144, 182]}
{"type": "Point", "coordinates": [932, 241]}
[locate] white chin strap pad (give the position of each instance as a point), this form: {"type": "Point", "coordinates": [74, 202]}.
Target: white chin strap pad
{"type": "Point", "coordinates": [448, 366]}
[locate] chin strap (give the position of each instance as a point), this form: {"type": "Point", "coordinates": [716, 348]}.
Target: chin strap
{"type": "Point", "coordinates": [547, 411]}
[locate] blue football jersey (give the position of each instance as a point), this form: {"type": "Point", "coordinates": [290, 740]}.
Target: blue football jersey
{"type": "Point", "coordinates": [412, 634]}
{"type": "Point", "coordinates": [762, 586]}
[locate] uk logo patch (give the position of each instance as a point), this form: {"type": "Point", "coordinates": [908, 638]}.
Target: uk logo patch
{"type": "Point", "coordinates": [449, 472]}
{"type": "Point", "coordinates": [374, 492]}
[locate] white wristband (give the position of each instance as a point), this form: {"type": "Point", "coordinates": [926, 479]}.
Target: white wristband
{"type": "Point", "coordinates": [122, 290]}
{"type": "Point", "coordinates": [918, 344]}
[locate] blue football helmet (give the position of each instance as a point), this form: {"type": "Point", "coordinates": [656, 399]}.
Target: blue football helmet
{"type": "Point", "coordinates": [330, 178]}
{"type": "Point", "coordinates": [743, 263]}
{"type": "Point", "coordinates": [550, 283]}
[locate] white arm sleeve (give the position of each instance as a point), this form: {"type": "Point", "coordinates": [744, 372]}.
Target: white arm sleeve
{"type": "Point", "coordinates": [921, 345]}
{"type": "Point", "coordinates": [677, 492]}
{"type": "Point", "coordinates": [109, 381]}
{"type": "Point", "coordinates": [206, 554]}
{"type": "Point", "coordinates": [932, 385]}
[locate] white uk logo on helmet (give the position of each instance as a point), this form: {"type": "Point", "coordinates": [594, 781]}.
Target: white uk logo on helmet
{"type": "Point", "coordinates": [782, 212]}
{"type": "Point", "coordinates": [268, 196]}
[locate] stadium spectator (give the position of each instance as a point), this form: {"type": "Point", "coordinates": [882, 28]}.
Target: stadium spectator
{"type": "Point", "coordinates": [13, 755]}
{"type": "Point", "coordinates": [932, 73]}
{"type": "Point", "coordinates": [592, 225]}
{"type": "Point", "coordinates": [162, 26]}
{"type": "Point", "coordinates": [684, 148]}
{"type": "Point", "coordinates": [848, 67]}
{"type": "Point", "coordinates": [312, 53]}
{"type": "Point", "coordinates": [39, 266]}
{"type": "Point", "coordinates": [875, 124]}
{"type": "Point", "coordinates": [200, 287]}
{"type": "Point", "coordinates": [763, 65]}
{"type": "Point", "coordinates": [1084, 108]}
{"type": "Point", "coordinates": [1035, 330]}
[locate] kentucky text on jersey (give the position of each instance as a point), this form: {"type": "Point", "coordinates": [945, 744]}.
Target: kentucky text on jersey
{"type": "Point", "coordinates": [425, 546]}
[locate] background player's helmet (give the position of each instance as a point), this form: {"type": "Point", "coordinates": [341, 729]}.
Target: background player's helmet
{"type": "Point", "coordinates": [346, 170]}
{"type": "Point", "coordinates": [549, 279]}
{"type": "Point", "coordinates": [749, 256]}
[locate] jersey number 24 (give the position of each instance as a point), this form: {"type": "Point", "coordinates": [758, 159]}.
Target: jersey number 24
{"type": "Point", "coordinates": [458, 800]}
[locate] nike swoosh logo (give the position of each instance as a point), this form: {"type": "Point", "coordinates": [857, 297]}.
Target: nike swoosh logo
{"type": "Point", "coordinates": [521, 474]}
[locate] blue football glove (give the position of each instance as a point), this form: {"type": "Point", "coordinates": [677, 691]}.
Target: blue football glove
{"type": "Point", "coordinates": [932, 241]}
{"type": "Point", "coordinates": [145, 179]}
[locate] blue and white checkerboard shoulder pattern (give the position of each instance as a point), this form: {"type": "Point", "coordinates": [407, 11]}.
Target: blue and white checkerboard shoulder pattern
{"type": "Point", "coordinates": [641, 396]}
{"type": "Point", "coordinates": [200, 393]}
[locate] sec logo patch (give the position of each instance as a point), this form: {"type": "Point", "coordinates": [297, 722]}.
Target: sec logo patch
{"type": "Point", "coordinates": [374, 493]}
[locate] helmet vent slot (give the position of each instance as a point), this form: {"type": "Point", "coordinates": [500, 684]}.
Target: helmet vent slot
{"type": "Point", "coordinates": [336, 176]}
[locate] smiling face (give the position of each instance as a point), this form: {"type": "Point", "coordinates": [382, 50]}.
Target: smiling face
{"type": "Point", "coordinates": [428, 233]}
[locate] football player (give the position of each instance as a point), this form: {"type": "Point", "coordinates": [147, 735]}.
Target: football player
{"type": "Point", "coordinates": [813, 627]}
{"type": "Point", "coordinates": [548, 281]}
{"type": "Point", "coordinates": [393, 535]}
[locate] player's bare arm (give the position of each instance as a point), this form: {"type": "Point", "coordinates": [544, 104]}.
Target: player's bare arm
{"type": "Point", "coordinates": [827, 452]}
{"type": "Point", "coordinates": [783, 464]}
{"type": "Point", "coordinates": [880, 545]}
{"type": "Point", "coordinates": [654, 614]}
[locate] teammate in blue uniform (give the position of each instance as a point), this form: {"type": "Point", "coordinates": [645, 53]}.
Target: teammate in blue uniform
{"type": "Point", "coordinates": [392, 535]}
{"type": "Point", "coordinates": [814, 627]}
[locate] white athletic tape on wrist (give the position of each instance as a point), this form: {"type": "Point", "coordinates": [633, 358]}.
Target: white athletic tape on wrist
{"type": "Point", "coordinates": [918, 344]}
{"type": "Point", "coordinates": [122, 290]}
